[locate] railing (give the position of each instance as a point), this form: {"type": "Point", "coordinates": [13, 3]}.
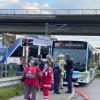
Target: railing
{"type": "Point", "coordinates": [49, 11]}
{"type": "Point", "coordinates": [10, 81]}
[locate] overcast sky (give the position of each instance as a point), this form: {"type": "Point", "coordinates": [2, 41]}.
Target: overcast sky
{"type": "Point", "coordinates": [65, 4]}
{"type": "Point", "coordinates": [60, 4]}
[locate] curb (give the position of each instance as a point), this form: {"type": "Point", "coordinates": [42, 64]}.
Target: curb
{"type": "Point", "coordinates": [71, 95]}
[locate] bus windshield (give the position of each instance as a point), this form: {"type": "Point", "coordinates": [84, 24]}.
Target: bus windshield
{"type": "Point", "coordinates": [78, 55]}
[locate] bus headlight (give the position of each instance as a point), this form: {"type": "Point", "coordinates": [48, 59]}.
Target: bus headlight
{"type": "Point", "coordinates": [83, 74]}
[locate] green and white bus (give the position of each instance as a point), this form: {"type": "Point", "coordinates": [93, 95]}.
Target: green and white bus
{"type": "Point", "coordinates": [84, 56]}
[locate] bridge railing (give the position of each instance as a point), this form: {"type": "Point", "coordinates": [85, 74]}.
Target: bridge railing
{"type": "Point", "coordinates": [49, 11]}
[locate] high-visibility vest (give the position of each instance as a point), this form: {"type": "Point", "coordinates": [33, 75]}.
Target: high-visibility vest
{"type": "Point", "coordinates": [62, 66]}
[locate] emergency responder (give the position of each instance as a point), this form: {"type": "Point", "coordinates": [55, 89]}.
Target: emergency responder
{"type": "Point", "coordinates": [57, 74]}
{"type": "Point", "coordinates": [31, 82]}
{"type": "Point", "coordinates": [47, 80]}
{"type": "Point", "coordinates": [50, 61]}
{"type": "Point", "coordinates": [62, 70]}
{"type": "Point", "coordinates": [69, 72]}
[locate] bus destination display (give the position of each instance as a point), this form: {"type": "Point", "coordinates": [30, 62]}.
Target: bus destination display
{"type": "Point", "coordinates": [70, 44]}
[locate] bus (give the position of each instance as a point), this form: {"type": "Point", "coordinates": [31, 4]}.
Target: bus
{"type": "Point", "coordinates": [36, 45]}
{"type": "Point", "coordinates": [10, 55]}
{"type": "Point", "coordinates": [84, 56]}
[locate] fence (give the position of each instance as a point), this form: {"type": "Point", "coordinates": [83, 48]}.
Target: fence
{"type": "Point", "coordinates": [8, 70]}
{"type": "Point", "coordinates": [48, 11]}
{"type": "Point", "coordinates": [10, 81]}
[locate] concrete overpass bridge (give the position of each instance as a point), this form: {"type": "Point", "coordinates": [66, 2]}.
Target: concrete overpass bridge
{"type": "Point", "coordinates": [51, 21]}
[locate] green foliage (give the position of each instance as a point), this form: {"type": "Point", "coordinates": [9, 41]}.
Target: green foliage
{"type": "Point", "coordinates": [9, 92]}
{"type": "Point", "coordinates": [98, 66]}
{"type": "Point", "coordinates": [98, 73]}
{"type": "Point", "coordinates": [98, 76]}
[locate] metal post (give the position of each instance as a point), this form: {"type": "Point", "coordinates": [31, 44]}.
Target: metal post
{"type": "Point", "coordinates": [46, 29]}
{"type": "Point", "coordinates": [6, 63]}
{"type": "Point", "coordinates": [39, 50]}
{"type": "Point", "coordinates": [25, 55]}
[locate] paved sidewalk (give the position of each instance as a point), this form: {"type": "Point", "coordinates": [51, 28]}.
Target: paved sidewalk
{"type": "Point", "coordinates": [62, 96]}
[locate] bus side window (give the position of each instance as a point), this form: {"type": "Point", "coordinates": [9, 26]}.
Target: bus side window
{"type": "Point", "coordinates": [33, 51]}
{"type": "Point", "coordinates": [18, 52]}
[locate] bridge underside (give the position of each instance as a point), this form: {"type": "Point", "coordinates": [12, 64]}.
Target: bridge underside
{"type": "Point", "coordinates": [71, 24]}
{"type": "Point", "coordinates": [75, 29]}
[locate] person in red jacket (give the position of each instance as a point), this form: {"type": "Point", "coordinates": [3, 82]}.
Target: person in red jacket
{"type": "Point", "coordinates": [31, 82]}
{"type": "Point", "coordinates": [47, 80]}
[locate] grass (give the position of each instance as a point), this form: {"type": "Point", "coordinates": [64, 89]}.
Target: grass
{"type": "Point", "coordinates": [11, 91]}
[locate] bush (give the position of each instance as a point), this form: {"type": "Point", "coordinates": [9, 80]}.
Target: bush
{"type": "Point", "coordinates": [98, 66]}
{"type": "Point", "coordinates": [98, 74]}
{"type": "Point", "coordinates": [9, 92]}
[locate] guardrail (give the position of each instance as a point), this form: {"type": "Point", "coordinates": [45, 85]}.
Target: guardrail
{"type": "Point", "coordinates": [48, 11]}
{"type": "Point", "coordinates": [10, 81]}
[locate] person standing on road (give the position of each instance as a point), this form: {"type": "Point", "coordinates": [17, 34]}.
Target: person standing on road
{"type": "Point", "coordinates": [62, 70]}
{"type": "Point", "coordinates": [47, 80]}
{"type": "Point", "coordinates": [31, 82]}
{"type": "Point", "coordinates": [50, 61]}
{"type": "Point", "coordinates": [57, 75]}
{"type": "Point", "coordinates": [69, 72]}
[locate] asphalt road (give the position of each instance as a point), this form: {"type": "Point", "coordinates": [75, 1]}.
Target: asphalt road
{"type": "Point", "coordinates": [62, 96]}
{"type": "Point", "coordinates": [92, 90]}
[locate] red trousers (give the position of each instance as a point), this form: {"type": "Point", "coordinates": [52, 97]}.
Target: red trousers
{"type": "Point", "coordinates": [46, 93]}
